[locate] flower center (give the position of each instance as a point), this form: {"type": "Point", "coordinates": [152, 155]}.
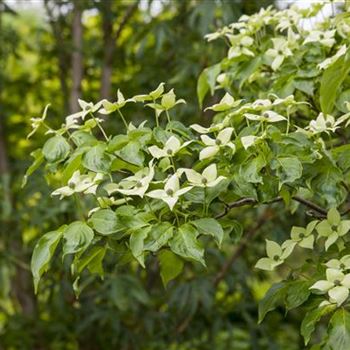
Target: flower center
{"type": "Point", "coordinates": [276, 257]}
{"type": "Point", "coordinates": [265, 114]}
{"type": "Point", "coordinates": [169, 192]}
{"type": "Point", "coordinates": [328, 124]}
{"type": "Point", "coordinates": [204, 181]}
{"type": "Point", "coordinates": [342, 266]}
{"type": "Point", "coordinates": [218, 142]}
{"type": "Point", "coordinates": [280, 52]}
{"type": "Point", "coordinates": [321, 36]}
{"type": "Point", "coordinates": [71, 185]}
{"type": "Point", "coordinates": [138, 184]}
{"type": "Point", "coordinates": [169, 152]}
{"type": "Point", "coordinates": [337, 283]}
{"type": "Point", "coordinates": [334, 227]}
{"type": "Point", "coordinates": [302, 235]}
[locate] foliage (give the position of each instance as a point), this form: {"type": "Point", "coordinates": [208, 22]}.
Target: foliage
{"type": "Point", "coordinates": [278, 136]}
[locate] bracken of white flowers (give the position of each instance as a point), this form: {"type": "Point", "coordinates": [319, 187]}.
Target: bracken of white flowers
{"type": "Point", "coordinates": [79, 183]}
{"type": "Point", "coordinates": [336, 285]}
{"type": "Point", "coordinates": [208, 178]}
{"type": "Point", "coordinates": [135, 185]}
{"type": "Point", "coordinates": [325, 38]}
{"type": "Point", "coordinates": [214, 145]}
{"type": "Point", "coordinates": [171, 147]}
{"type": "Point", "coordinates": [171, 192]}
{"type": "Point", "coordinates": [279, 52]}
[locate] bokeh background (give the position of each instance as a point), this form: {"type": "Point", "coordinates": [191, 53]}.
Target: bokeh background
{"type": "Point", "coordinates": [56, 51]}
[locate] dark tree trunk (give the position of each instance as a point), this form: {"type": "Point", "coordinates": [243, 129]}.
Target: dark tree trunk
{"type": "Point", "coordinates": [77, 57]}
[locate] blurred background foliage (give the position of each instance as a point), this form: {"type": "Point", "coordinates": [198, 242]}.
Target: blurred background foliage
{"type": "Point", "coordinates": [55, 51]}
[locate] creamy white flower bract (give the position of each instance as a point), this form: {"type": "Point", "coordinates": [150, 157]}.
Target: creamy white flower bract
{"type": "Point", "coordinates": [213, 145]}
{"type": "Point", "coordinates": [208, 178]}
{"type": "Point", "coordinates": [171, 147]}
{"type": "Point", "coordinates": [171, 192]}
{"type": "Point", "coordinates": [336, 286]}
{"type": "Point", "coordinates": [135, 185]}
{"type": "Point", "coordinates": [79, 183]}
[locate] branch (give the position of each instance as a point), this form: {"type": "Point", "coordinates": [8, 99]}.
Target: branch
{"type": "Point", "coordinates": [267, 215]}
{"type": "Point", "coordinates": [129, 12]}
{"type": "Point", "coordinates": [252, 201]}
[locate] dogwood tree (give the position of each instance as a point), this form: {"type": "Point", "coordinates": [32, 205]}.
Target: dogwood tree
{"type": "Point", "coordinates": [279, 135]}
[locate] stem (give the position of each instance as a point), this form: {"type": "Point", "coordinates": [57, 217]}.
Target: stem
{"type": "Point", "coordinates": [80, 209]}
{"type": "Point", "coordinates": [168, 117]}
{"type": "Point", "coordinates": [99, 126]}
{"type": "Point", "coordinates": [288, 121]}
{"type": "Point", "coordinates": [172, 163]}
{"type": "Point", "coordinates": [156, 114]}
{"type": "Point", "coordinates": [177, 218]}
{"type": "Point", "coordinates": [123, 119]}
{"type": "Point", "coordinates": [205, 201]}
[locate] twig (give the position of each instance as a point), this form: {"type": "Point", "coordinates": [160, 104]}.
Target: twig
{"type": "Point", "coordinates": [251, 201]}
{"type": "Point", "coordinates": [267, 215]}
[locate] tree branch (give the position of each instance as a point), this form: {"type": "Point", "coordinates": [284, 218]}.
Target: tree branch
{"type": "Point", "coordinates": [267, 215]}
{"type": "Point", "coordinates": [252, 201]}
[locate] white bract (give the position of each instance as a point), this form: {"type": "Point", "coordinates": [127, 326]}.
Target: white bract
{"type": "Point", "coordinates": [267, 116]}
{"type": "Point", "coordinates": [333, 227]}
{"type": "Point", "coordinates": [87, 108]}
{"type": "Point", "coordinates": [279, 52]}
{"type": "Point", "coordinates": [226, 103]}
{"type": "Point", "coordinates": [79, 183]}
{"type": "Point", "coordinates": [208, 178]}
{"type": "Point", "coordinates": [342, 264]}
{"type": "Point", "coordinates": [171, 147]}
{"type": "Point", "coordinates": [202, 130]}
{"type": "Point", "coordinates": [326, 38]}
{"type": "Point", "coordinates": [240, 46]}
{"type": "Point", "coordinates": [326, 123]}
{"type": "Point", "coordinates": [135, 185]}
{"type": "Point", "coordinates": [110, 107]}
{"type": "Point", "coordinates": [276, 254]}
{"type": "Point", "coordinates": [37, 122]}
{"type": "Point", "coordinates": [171, 192]}
{"type": "Point", "coordinates": [330, 60]}
{"type": "Point", "coordinates": [336, 286]}
{"type": "Point", "coordinates": [153, 95]}
{"type": "Point", "coordinates": [303, 236]}
{"type": "Point", "coordinates": [213, 145]}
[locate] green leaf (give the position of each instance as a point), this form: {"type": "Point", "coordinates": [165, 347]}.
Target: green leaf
{"type": "Point", "coordinates": [56, 149]}
{"type": "Point", "coordinates": [158, 236]}
{"type": "Point", "coordinates": [250, 171]}
{"type": "Point", "coordinates": [298, 293]}
{"type": "Point", "coordinates": [96, 160]}
{"type": "Point", "coordinates": [137, 239]}
{"type": "Point", "coordinates": [92, 260]}
{"type": "Point", "coordinates": [170, 266]}
{"type": "Point", "coordinates": [339, 335]}
{"type": "Point", "coordinates": [311, 318]}
{"type": "Point", "coordinates": [72, 166]}
{"type": "Point", "coordinates": [117, 142]}
{"type": "Point", "coordinates": [38, 160]}
{"type": "Point", "coordinates": [77, 237]}
{"type": "Point", "coordinates": [274, 297]}
{"type": "Point", "coordinates": [81, 137]}
{"type": "Point", "coordinates": [105, 222]}
{"type": "Point", "coordinates": [210, 227]}
{"type": "Point", "coordinates": [132, 153]}
{"type": "Point", "coordinates": [288, 169]}
{"type": "Point", "coordinates": [42, 254]}
{"type": "Point", "coordinates": [186, 244]}
{"type": "Point", "coordinates": [207, 81]}
{"type": "Point", "coordinates": [331, 80]}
